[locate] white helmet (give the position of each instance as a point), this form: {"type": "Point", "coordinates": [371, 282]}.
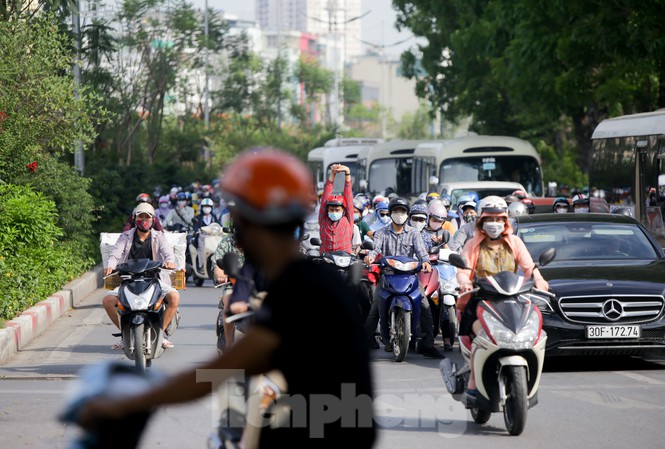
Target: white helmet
{"type": "Point", "coordinates": [492, 204]}
{"type": "Point", "coordinates": [517, 209]}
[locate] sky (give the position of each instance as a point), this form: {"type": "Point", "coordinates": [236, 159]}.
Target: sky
{"type": "Point", "coordinates": [378, 26]}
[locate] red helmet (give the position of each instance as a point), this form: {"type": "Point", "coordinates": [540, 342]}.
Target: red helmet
{"type": "Point", "coordinates": [143, 198]}
{"type": "Point", "coordinates": [520, 194]}
{"type": "Point", "coordinates": [336, 200]}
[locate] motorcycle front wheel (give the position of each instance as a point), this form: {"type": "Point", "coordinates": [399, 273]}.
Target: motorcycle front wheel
{"type": "Point", "coordinates": [139, 347]}
{"type": "Point", "coordinates": [515, 410]}
{"type": "Point", "coordinates": [401, 333]}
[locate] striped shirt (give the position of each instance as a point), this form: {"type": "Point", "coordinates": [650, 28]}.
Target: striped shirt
{"type": "Point", "coordinates": [407, 243]}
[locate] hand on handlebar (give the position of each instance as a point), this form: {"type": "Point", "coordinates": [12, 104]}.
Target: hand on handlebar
{"type": "Point", "coordinates": [107, 271]}
{"type": "Point", "coordinates": [368, 260]}
{"type": "Point", "coordinates": [465, 286]}
{"type": "Point", "coordinates": [427, 267]}
{"type": "Point", "coordinates": [169, 265]}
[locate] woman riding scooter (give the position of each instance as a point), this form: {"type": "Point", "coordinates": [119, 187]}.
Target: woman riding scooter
{"type": "Point", "coordinates": [494, 248]}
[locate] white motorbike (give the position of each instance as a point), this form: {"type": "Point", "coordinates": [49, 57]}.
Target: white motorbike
{"type": "Point", "coordinates": [209, 239]}
{"type": "Point", "coordinates": [509, 352]}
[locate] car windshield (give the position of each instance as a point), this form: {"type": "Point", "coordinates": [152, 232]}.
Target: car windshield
{"type": "Point", "coordinates": [586, 241]}
{"type": "Point", "coordinates": [394, 173]}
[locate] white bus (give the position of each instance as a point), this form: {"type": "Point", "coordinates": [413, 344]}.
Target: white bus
{"type": "Point", "coordinates": [391, 166]}
{"type": "Point", "coordinates": [484, 158]}
{"type": "Point", "coordinates": [628, 163]}
{"type": "Point", "coordinates": [337, 151]}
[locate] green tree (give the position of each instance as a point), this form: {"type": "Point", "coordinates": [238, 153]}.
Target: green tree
{"type": "Point", "coordinates": [316, 82]}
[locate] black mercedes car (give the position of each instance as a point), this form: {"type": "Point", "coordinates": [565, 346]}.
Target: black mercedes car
{"type": "Point", "coordinates": [609, 281]}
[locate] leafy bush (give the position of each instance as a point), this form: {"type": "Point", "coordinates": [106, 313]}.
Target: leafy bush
{"type": "Point", "coordinates": [34, 262]}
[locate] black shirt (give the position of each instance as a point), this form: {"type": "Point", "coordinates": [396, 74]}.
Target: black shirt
{"type": "Point", "coordinates": [141, 250]}
{"type": "Point", "coordinates": [322, 348]}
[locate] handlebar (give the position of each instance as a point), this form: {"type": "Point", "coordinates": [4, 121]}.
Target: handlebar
{"type": "Point", "coordinates": [543, 292]}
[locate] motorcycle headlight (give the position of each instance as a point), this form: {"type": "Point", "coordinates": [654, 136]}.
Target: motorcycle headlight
{"type": "Point", "coordinates": [139, 302]}
{"type": "Point", "coordinates": [542, 302]}
{"type": "Point", "coordinates": [402, 266]}
{"type": "Point", "coordinates": [342, 261]}
{"type": "Point", "coordinates": [448, 287]}
{"type": "Point", "coordinates": [523, 339]}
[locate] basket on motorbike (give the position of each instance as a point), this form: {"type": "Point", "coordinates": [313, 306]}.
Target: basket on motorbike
{"type": "Point", "coordinates": [176, 239]}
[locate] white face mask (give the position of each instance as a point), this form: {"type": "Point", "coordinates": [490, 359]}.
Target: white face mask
{"type": "Point", "coordinates": [493, 229]}
{"type": "Point", "coordinates": [420, 225]}
{"type": "Point", "coordinates": [562, 210]}
{"type": "Point", "coordinates": [335, 216]}
{"type": "Point", "coordinates": [399, 218]}
{"type": "Point", "coordinates": [581, 210]}
{"type": "Point", "coordinates": [182, 203]}
{"type": "Point", "coordinates": [207, 210]}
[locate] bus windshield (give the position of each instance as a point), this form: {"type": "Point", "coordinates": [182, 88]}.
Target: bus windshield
{"type": "Point", "coordinates": [338, 185]}
{"type": "Point", "coordinates": [394, 173]}
{"type": "Point", "coordinates": [522, 169]}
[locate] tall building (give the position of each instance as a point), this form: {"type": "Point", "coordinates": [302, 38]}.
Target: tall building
{"type": "Point", "coordinates": [338, 20]}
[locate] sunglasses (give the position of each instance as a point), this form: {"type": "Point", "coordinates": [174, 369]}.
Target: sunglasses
{"type": "Point", "coordinates": [418, 219]}
{"type": "Point", "coordinates": [384, 214]}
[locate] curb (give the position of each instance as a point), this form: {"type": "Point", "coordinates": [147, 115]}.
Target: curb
{"type": "Point", "coordinates": [32, 322]}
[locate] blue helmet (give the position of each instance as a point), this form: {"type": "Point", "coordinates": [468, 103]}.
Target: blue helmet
{"type": "Point", "coordinates": [381, 205]}
{"type": "Point", "coordinates": [418, 209]}
{"type": "Point", "coordinates": [181, 196]}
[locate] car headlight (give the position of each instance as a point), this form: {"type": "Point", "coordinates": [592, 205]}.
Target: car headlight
{"type": "Point", "coordinates": [523, 339]}
{"type": "Point", "coordinates": [342, 261]}
{"type": "Point", "coordinates": [139, 302]}
{"type": "Point", "coordinates": [402, 266]}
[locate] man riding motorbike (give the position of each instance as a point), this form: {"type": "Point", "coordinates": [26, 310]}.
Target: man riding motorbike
{"type": "Point", "coordinates": [143, 242]}
{"type": "Point", "coordinates": [142, 198]}
{"type": "Point", "coordinates": [182, 215]}
{"type": "Point", "coordinates": [494, 248]}
{"type": "Point", "coordinates": [271, 194]}
{"type": "Point", "coordinates": [204, 218]}
{"type": "Point", "coordinates": [336, 214]}
{"type": "Point", "coordinates": [399, 239]}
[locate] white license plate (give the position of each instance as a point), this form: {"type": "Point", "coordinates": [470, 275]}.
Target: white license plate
{"type": "Point", "coordinates": [615, 331]}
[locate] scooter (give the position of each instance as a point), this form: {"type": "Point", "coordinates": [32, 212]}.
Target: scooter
{"type": "Point", "coordinates": [399, 302]}
{"type": "Point", "coordinates": [448, 293]}
{"type": "Point", "coordinates": [141, 311]}
{"type": "Point", "coordinates": [210, 236]}
{"type": "Point", "coordinates": [247, 404]}
{"type": "Point", "coordinates": [509, 352]}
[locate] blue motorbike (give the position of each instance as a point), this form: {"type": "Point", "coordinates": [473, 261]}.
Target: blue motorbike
{"type": "Point", "coordinates": [399, 302]}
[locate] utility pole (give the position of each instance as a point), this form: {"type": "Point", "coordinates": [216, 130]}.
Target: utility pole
{"type": "Point", "coordinates": [206, 106]}
{"type": "Point", "coordinates": [79, 160]}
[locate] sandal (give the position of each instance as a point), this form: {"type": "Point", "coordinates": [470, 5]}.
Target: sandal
{"type": "Point", "coordinates": [166, 344]}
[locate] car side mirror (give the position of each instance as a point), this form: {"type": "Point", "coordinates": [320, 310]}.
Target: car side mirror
{"type": "Point", "coordinates": [546, 257]}
{"type": "Point", "coordinates": [457, 261]}
{"type": "Point", "coordinates": [315, 241]}
{"type": "Point", "coordinates": [230, 263]}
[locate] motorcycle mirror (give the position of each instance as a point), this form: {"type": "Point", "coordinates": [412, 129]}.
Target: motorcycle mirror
{"type": "Point", "coordinates": [315, 241]}
{"type": "Point", "coordinates": [546, 256]}
{"type": "Point", "coordinates": [230, 263]}
{"type": "Point", "coordinates": [435, 249]}
{"type": "Point", "coordinates": [368, 244]}
{"type": "Point", "coordinates": [457, 261]}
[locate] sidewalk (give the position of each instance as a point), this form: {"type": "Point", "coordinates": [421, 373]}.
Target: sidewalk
{"type": "Point", "coordinates": [29, 324]}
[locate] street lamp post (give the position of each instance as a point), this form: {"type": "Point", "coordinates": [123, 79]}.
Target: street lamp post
{"type": "Point", "coordinates": [206, 106]}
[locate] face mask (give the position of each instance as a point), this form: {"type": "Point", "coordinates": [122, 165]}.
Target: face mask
{"type": "Point", "coordinates": [419, 225]}
{"type": "Point", "coordinates": [182, 203]}
{"type": "Point", "coordinates": [471, 218]}
{"type": "Point", "coordinates": [399, 218]}
{"type": "Point", "coordinates": [562, 210]}
{"type": "Point", "coordinates": [435, 225]}
{"type": "Point", "coordinates": [335, 216]}
{"type": "Point", "coordinates": [384, 218]}
{"type": "Point", "coordinates": [207, 210]}
{"type": "Point", "coordinates": [356, 218]}
{"type": "Point", "coordinates": [493, 229]}
{"type": "Point", "coordinates": [581, 210]}
{"type": "Point", "coordinates": [144, 225]}
{"type": "Point", "coordinates": [163, 205]}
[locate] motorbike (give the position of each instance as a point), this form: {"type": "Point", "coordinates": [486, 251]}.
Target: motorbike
{"type": "Point", "coordinates": [352, 269]}
{"type": "Point", "coordinates": [431, 284]}
{"type": "Point", "coordinates": [246, 404]}
{"type": "Point", "coordinates": [508, 354]}
{"type": "Point", "coordinates": [141, 311]}
{"type": "Point", "coordinates": [110, 379]}
{"type": "Point", "coordinates": [210, 237]}
{"type": "Point", "coordinates": [399, 301]}
{"type": "Point", "coordinates": [447, 298]}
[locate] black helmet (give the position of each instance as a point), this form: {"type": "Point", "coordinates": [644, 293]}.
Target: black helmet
{"type": "Point", "coordinates": [398, 202]}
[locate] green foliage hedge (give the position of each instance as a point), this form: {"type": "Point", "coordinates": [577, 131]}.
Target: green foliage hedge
{"type": "Point", "coordinates": [34, 262]}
